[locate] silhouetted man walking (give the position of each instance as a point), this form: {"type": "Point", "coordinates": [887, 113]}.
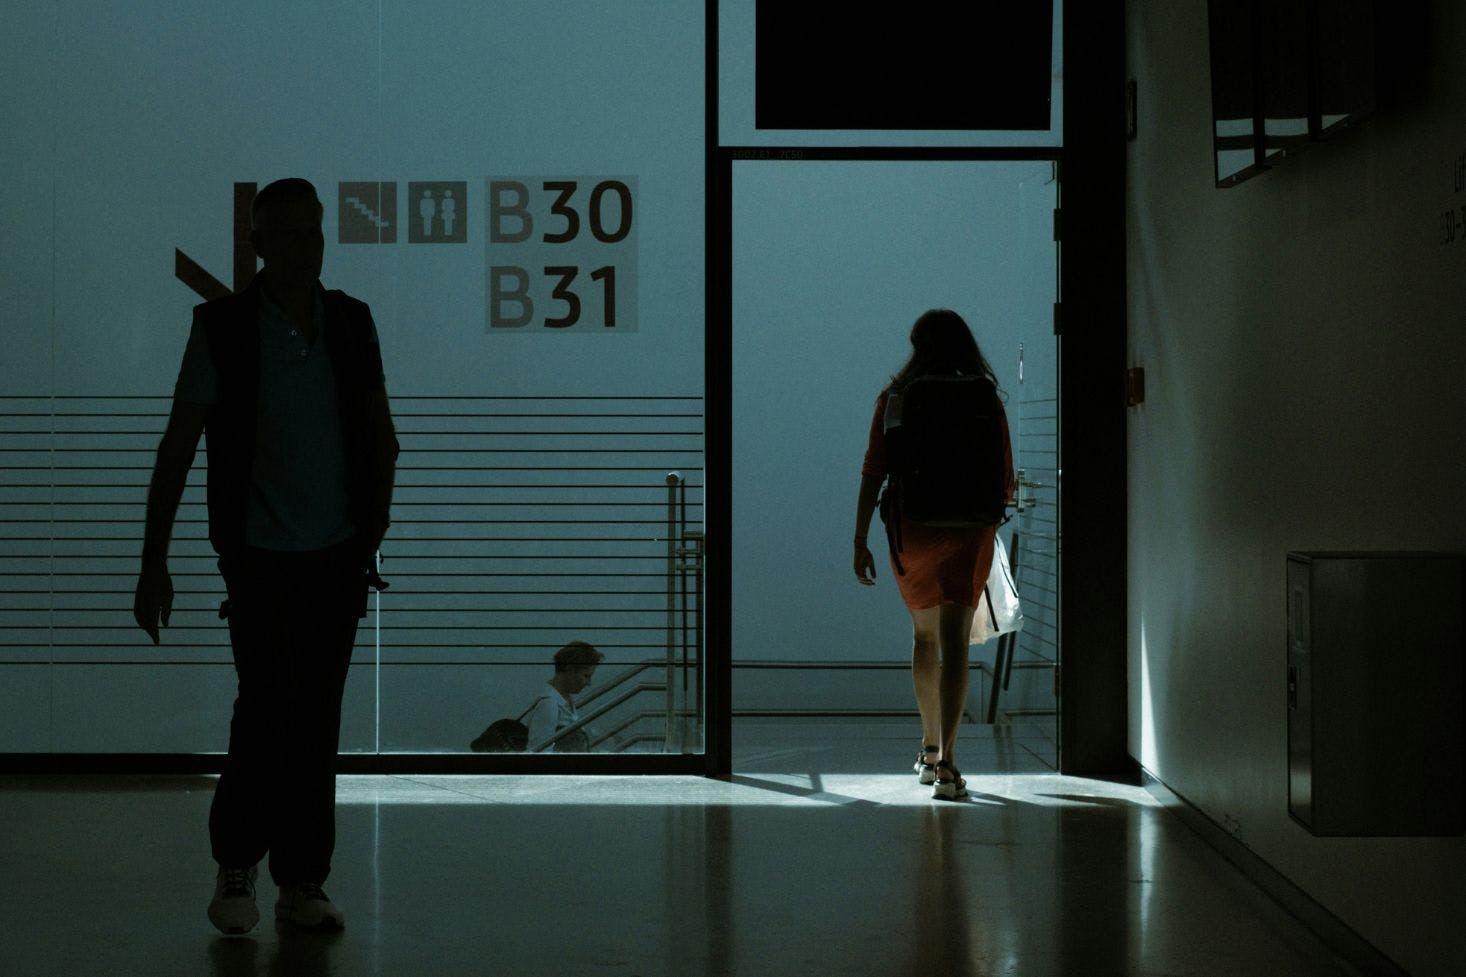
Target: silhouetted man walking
{"type": "Point", "coordinates": [286, 379]}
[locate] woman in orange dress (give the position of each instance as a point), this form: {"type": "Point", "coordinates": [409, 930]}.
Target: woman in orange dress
{"type": "Point", "coordinates": [942, 570]}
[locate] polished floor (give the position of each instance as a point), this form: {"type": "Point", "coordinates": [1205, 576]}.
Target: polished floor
{"type": "Point", "coordinates": [801, 864]}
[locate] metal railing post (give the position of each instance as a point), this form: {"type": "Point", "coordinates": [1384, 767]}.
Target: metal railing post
{"type": "Point", "coordinates": [692, 634]}
{"type": "Point", "coordinates": [673, 480]}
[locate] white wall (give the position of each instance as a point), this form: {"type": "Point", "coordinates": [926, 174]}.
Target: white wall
{"type": "Point", "coordinates": [1302, 342]}
{"type": "Point", "coordinates": [126, 127]}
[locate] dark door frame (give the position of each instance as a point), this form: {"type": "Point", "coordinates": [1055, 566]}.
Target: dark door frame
{"type": "Point", "coordinates": [1092, 679]}
{"type": "Point", "coordinates": [718, 412]}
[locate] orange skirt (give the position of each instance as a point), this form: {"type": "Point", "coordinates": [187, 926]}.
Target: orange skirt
{"type": "Point", "coordinates": [943, 565]}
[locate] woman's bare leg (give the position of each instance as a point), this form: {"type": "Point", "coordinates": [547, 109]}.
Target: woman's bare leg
{"type": "Point", "coordinates": [954, 631]}
{"type": "Point", "coordinates": [926, 672]}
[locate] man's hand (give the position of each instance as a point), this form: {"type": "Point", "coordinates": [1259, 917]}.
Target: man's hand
{"type": "Point", "coordinates": [153, 600]}
{"type": "Point", "coordinates": [865, 564]}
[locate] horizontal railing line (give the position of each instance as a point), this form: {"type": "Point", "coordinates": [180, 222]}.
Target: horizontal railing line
{"type": "Point", "coordinates": [390, 543]}
{"type": "Point", "coordinates": [150, 433]}
{"type": "Point", "coordinates": [386, 569]}
{"type": "Point", "coordinates": [141, 486]}
{"type": "Point", "coordinates": [401, 433]}
{"type": "Point", "coordinates": [417, 468]}
{"type": "Point", "coordinates": [551, 398]}
{"type": "Point", "coordinates": [639, 486]}
{"type": "Point", "coordinates": [460, 415]}
{"type": "Point", "coordinates": [395, 397]}
{"type": "Point", "coordinates": [397, 591]}
{"type": "Point", "coordinates": [396, 609]}
{"type": "Point", "coordinates": [452, 502]}
{"type": "Point", "coordinates": [391, 627]}
{"type": "Point", "coordinates": [226, 662]}
{"type": "Point", "coordinates": [396, 646]}
{"type": "Point", "coordinates": [536, 451]}
{"type": "Point", "coordinates": [806, 664]}
{"type": "Point", "coordinates": [800, 713]}
{"type": "Point", "coordinates": [540, 662]}
{"type": "Point", "coordinates": [398, 522]}
{"type": "Point", "coordinates": [405, 451]}
{"type": "Point", "coordinates": [396, 415]}
{"type": "Point", "coordinates": [565, 468]}
{"type": "Point", "coordinates": [1037, 662]}
{"type": "Point", "coordinates": [66, 504]}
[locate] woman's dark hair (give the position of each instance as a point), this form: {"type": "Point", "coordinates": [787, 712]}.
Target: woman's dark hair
{"type": "Point", "coordinates": [941, 343]}
{"type": "Point", "coordinates": [577, 654]}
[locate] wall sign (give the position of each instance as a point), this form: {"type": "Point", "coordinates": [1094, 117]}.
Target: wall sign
{"type": "Point", "coordinates": [366, 212]}
{"type": "Point", "coordinates": [436, 213]}
{"type": "Point", "coordinates": [561, 254]}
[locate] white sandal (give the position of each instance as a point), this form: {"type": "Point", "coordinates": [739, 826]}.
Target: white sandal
{"type": "Point", "coordinates": [926, 773]}
{"type": "Point", "coordinates": [949, 790]}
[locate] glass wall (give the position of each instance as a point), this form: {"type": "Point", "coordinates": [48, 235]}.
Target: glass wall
{"type": "Point", "coordinates": [517, 191]}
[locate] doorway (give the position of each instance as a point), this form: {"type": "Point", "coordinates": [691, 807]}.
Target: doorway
{"type": "Point", "coordinates": [832, 260]}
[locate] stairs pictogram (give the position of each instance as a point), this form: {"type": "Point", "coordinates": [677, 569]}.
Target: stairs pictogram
{"type": "Point", "coordinates": [367, 212]}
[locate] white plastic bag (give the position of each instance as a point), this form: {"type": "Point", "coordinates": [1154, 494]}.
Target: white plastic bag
{"type": "Point", "coordinates": [998, 611]}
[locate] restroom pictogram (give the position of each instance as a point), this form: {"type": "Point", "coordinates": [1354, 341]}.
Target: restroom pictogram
{"type": "Point", "coordinates": [436, 212]}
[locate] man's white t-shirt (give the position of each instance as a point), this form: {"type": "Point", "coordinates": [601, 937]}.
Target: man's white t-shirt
{"type": "Point", "coordinates": [549, 714]}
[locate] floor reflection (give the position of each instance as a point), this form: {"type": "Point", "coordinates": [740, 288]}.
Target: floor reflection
{"type": "Point", "coordinates": [944, 938]}
{"type": "Point", "coordinates": [803, 872]}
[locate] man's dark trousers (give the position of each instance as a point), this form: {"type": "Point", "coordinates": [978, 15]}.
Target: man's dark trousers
{"type": "Point", "coordinates": [292, 625]}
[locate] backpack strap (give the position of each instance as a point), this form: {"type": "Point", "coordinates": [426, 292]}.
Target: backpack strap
{"type": "Point", "coordinates": [892, 417]}
{"type": "Point", "coordinates": [890, 500]}
{"type": "Point", "coordinates": [890, 506]}
{"type": "Point", "coordinates": [531, 708]}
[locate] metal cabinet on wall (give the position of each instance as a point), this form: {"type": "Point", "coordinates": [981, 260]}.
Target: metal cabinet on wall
{"type": "Point", "coordinates": [1375, 735]}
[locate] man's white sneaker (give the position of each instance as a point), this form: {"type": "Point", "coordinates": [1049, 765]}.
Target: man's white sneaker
{"type": "Point", "coordinates": [233, 909]}
{"type": "Point", "coordinates": [305, 904]}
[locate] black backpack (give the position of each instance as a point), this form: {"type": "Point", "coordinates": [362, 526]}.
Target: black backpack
{"type": "Point", "coordinates": [505, 735]}
{"type": "Point", "coordinates": [944, 446]}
